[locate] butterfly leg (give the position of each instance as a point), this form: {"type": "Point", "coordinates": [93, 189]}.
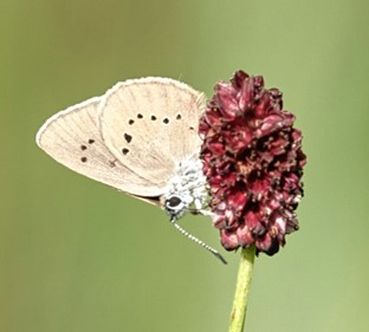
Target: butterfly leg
{"type": "Point", "coordinates": [198, 202]}
{"type": "Point", "coordinates": [207, 213]}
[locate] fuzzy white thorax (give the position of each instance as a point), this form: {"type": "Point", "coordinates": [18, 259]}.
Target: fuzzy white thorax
{"type": "Point", "coordinates": [189, 185]}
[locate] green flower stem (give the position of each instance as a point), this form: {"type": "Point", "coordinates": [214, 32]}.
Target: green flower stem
{"type": "Point", "coordinates": [242, 290]}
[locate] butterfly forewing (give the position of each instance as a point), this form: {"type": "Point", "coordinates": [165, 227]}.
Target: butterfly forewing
{"type": "Point", "coordinates": [72, 137]}
{"type": "Point", "coordinates": [150, 125]}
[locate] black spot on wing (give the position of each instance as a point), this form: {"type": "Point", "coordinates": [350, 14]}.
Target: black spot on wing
{"type": "Point", "coordinates": [127, 137]}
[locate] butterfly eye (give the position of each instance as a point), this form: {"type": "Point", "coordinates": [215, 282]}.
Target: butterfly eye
{"type": "Point", "coordinates": [173, 202]}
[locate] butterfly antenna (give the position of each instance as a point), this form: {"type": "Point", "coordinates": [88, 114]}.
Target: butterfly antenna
{"type": "Point", "coordinates": [199, 242]}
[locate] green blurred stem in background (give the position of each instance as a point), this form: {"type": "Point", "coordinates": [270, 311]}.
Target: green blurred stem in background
{"type": "Point", "coordinates": [242, 290]}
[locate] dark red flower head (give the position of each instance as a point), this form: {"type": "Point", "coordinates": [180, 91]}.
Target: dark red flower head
{"type": "Point", "coordinates": [253, 163]}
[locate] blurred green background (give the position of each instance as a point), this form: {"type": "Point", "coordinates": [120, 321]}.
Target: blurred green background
{"type": "Point", "coordinates": [76, 255]}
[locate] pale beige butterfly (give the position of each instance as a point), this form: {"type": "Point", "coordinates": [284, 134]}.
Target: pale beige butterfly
{"type": "Point", "coordinates": [140, 137]}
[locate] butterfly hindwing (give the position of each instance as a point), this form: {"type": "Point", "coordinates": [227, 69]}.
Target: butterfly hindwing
{"type": "Point", "coordinates": [72, 137]}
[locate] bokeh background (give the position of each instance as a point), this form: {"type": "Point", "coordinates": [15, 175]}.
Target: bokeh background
{"type": "Point", "coordinates": [76, 255]}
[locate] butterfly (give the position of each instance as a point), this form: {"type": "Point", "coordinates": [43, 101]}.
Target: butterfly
{"type": "Point", "coordinates": [140, 137]}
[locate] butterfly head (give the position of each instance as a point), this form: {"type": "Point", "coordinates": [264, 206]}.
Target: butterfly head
{"type": "Point", "coordinates": [175, 206]}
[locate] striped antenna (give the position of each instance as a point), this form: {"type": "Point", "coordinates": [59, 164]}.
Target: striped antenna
{"type": "Point", "coordinates": [196, 240]}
